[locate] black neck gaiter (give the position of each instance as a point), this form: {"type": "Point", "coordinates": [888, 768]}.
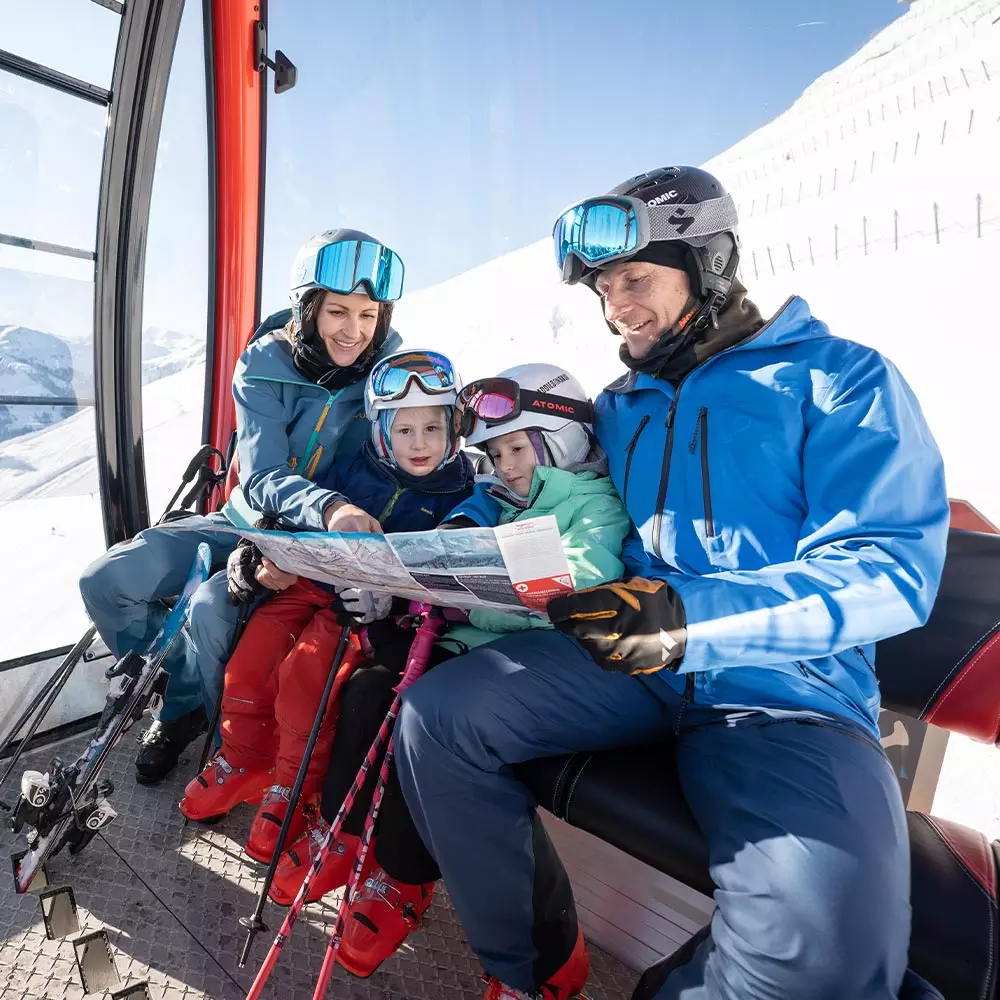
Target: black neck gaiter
{"type": "Point", "coordinates": [682, 348]}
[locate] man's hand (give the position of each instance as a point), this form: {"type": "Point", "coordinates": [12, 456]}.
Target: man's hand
{"type": "Point", "coordinates": [636, 626]}
{"type": "Point", "coordinates": [268, 575]}
{"type": "Point", "coordinates": [343, 516]}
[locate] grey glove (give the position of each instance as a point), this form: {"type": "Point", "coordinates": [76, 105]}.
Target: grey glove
{"type": "Point", "coordinates": [361, 607]}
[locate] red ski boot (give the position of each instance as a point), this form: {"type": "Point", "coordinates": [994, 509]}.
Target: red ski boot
{"type": "Point", "coordinates": [380, 917]}
{"type": "Point", "coordinates": [266, 824]}
{"type": "Point", "coordinates": [298, 859]}
{"type": "Point", "coordinates": [564, 985]}
{"type": "Point", "coordinates": [221, 787]}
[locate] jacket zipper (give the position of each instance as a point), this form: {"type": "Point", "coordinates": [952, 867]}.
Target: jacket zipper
{"type": "Point", "coordinates": [661, 495]}
{"type": "Point", "coordinates": [387, 509]}
{"type": "Point", "coordinates": [861, 653]}
{"type": "Point", "coordinates": [688, 699]}
{"type": "Point", "coordinates": [630, 451]}
{"type": "Point", "coordinates": [706, 486]}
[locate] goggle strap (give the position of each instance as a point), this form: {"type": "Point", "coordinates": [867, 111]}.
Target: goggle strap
{"type": "Point", "coordinates": [579, 410]}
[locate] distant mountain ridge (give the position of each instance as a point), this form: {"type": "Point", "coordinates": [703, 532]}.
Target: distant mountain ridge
{"type": "Point", "coordinates": [36, 363]}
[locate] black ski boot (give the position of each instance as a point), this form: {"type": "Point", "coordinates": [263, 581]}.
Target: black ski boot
{"type": "Point", "coordinates": [163, 743]}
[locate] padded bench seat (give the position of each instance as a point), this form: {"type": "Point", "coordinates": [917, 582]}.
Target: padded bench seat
{"type": "Point", "coordinates": [631, 798]}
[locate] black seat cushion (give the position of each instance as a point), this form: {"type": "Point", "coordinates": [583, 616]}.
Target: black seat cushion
{"type": "Point", "coordinates": [632, 800]}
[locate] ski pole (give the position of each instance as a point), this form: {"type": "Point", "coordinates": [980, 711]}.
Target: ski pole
{"type": "Point", "coordinates": [48, 694]}
{"type": "Point", "coordinates": [206, 750]}
{"type": "Point", "coordinates": [274, 953]}
{"type": "Point", "coordinates": [254, 922]}
{"type": "Point", "coordinates": [416, 664]}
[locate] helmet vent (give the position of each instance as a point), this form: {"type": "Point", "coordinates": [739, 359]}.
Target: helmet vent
{"type": "Point", "coordinates": [718, 263]}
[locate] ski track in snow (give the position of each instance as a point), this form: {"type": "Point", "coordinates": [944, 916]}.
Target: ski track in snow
{"type": "Point", "coordinates": [909, 121]}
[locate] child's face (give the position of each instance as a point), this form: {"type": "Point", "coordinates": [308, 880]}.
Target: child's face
{"type": "Point", "coordinates": [419, 438]}
{"type": "Point", "coordinates": [514, 459]}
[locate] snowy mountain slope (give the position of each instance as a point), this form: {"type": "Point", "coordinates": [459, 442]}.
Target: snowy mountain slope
{"type": "Point", "coordinates": [35, 363]}
{"type": "Point", "coordinates": [917, 296]}
{"type": "Point", "coordinates": [60, 460]}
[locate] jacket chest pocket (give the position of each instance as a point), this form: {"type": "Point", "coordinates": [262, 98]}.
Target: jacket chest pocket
{"type": "Point", "coordinates": [744, 487]}
{"type": "Point", "coordinates": [700, 476]}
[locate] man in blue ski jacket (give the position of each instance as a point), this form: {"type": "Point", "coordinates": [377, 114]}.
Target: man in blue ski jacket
{"type": "Point", "coordinates": [789, 510]}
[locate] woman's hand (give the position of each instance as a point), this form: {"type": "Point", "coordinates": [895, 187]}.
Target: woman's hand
{"type": "Point", "coordinates": [268, 575]}
{"type": "Point", "coordinates": [343, 516]}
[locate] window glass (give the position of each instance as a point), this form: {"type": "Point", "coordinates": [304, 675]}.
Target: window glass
{"type": "Point", "coordinates": [76, 37]}
{"type": "Point", "coordinates": [50, 510]}
{"type": "Point", "coordinates": [51, 145]}
{"type": "Point", "coordinates": [175, 293]}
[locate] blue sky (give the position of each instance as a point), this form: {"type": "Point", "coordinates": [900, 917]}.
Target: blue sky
{"type": "Point", "coordinates": [456, 130]}
{"type": "Point", "coordinates": [453, 130]}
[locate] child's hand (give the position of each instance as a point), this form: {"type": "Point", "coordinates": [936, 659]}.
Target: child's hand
{"type": "Point", "coordinates": [268, 575]}
{"type": "Point", "coordinates": [343, 516]}
{"type": "Point", "coordinates": [361, 607]}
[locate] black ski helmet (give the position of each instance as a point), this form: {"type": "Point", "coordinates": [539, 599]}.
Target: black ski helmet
{"type": "Point", "coordinates": [709, 258]}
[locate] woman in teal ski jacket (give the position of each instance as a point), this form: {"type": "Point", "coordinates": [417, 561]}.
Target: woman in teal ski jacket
{"type": "Point", "coordinates": [299, 395]}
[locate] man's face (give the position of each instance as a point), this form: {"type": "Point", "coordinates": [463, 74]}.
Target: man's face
{"type": "Point", "coordinates": [642, 301]}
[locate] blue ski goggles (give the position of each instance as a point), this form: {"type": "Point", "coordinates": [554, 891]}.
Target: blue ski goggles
{"type": "Point", "coordinates": [342, 267]}
{"type": "Point", "coordinates": [598, 231]}
{"type": "Point", "coordinates": [392, 377]}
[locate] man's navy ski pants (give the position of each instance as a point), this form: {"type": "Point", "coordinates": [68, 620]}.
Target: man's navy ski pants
{"type": "Point", "coordinates": [123, 590]}
{"type": "Point", "coordinates": [807, 836]}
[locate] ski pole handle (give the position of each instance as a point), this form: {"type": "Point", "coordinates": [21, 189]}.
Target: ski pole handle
{"type": "Point", "coordinates": [420, 648]}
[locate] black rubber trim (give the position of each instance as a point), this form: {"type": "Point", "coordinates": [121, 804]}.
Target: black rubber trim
{"type": "Point", "coordinates": [208, 45]}
{"type": "Point", "coordinates": [49, 77]}
{"type": "Point", "coordinates": [142, 66]}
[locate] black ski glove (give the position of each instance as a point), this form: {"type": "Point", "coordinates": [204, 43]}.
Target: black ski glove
{"type": "Point", "coordinates": [241, 573]}
{"type": "Point", "coordinates": [637, 626]}
{"type": "Point", "coordinates": [242, 566]}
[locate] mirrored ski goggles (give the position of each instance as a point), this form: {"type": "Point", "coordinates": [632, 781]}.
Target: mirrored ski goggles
{"type": "Point", "coordinates": [500, 400]}
{"type": "Point", "coordinates": [597, 231]}
{"type": "Point", "coordinates": [342, 267]}
{"type": "Point", "coordinates": [391, 377]}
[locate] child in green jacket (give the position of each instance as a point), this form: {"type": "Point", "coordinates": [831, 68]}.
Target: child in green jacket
{"type": "Point", "coordinates": [533, 421]}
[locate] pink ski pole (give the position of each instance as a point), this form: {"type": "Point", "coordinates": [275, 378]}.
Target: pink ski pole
{"type": "Point", "coordinates": [416, 664]}
{"type": "Point", "coordinates": [429, 628]}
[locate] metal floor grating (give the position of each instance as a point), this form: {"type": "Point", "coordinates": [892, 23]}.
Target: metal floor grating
{"type": "Point", "coordinates": [170, 899]}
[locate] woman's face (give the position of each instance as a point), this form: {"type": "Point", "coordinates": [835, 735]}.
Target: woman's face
{"type": "Point", "coordinates": [346, 325]}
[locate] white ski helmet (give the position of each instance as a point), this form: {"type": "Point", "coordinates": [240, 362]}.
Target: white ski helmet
{"type": "Point", "coordinates": [408, 379]}
{"type": "Point", "coordinates": [568, 442]}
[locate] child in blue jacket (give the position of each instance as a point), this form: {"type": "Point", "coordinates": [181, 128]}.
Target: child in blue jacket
{"type": "Point", "coordinates": [408, 477]}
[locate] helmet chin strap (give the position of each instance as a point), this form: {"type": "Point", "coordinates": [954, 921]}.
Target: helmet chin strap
{"type": "Point", "coordinates": [694, 318]}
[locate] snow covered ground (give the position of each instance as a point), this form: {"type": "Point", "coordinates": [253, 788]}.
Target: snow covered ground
{"type": "Point", "coordinates": [875, 196]}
